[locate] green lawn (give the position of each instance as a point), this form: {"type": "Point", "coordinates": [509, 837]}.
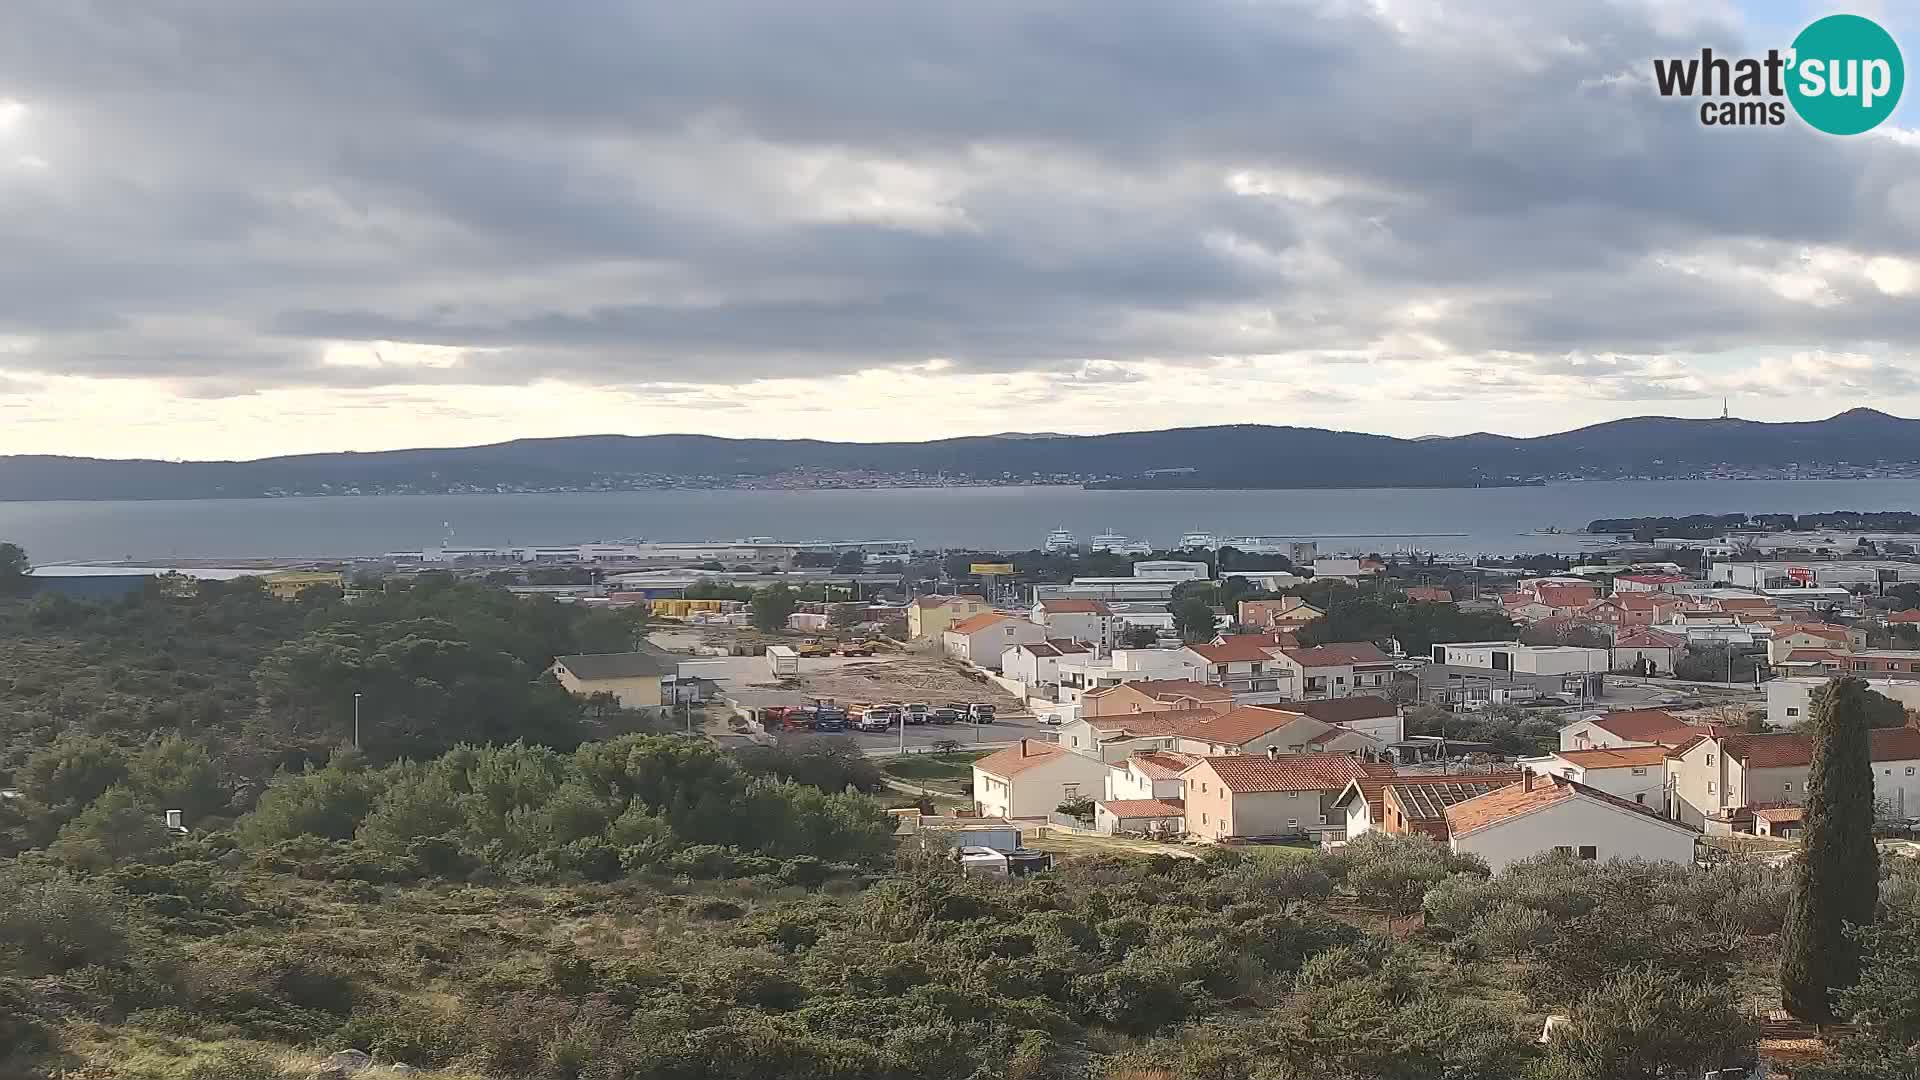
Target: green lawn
{"type": "Point", "coordinates": [934, 770]}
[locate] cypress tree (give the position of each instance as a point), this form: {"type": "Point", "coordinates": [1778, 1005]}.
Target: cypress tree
{"type": "Point", "coordinates": [1836, 879]}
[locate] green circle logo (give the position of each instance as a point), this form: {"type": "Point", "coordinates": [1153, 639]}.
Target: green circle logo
{"type": "Point", "coordinates": [1846, 76]}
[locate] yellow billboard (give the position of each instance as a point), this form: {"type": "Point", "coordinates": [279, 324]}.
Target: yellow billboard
{"type": "Point", "coordinates": [989, 569]}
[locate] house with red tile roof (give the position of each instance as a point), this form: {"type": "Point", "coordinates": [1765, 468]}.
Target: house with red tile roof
{"type": "Point", "coordinates": [1154, 695]}
{"type": "Point", "coordinates": [929, 616]}
{"type": "Point", "coordinates": [1903, 618]}
{"type": "Point", "coordinates": [1090, 621]}
{"type": "Point", "coordinates": [983, 639]}
{"type": "Point", "coordinates": [1251, 729]}
{"type": "Point", "coordinates": [1552, 814]}
{"type": "Point", "coordinates": [1036, 664]}
{"type": "Point", "coordinates": [1114, 737]}
{"type": "Point", "coordinates": [1713, 778]}
{"type": "Point", "coordinates": [1144, 794]}
{"type": "Point", "coordinates": [1365, 713]}
{"type": "Point", "coordinates": [1335, 670]}
{"type": "Point", "coordinates": [1271, 796]}
{"type": "Point", "coordinates": [1031, 778]}
{"type": "Point", "coordinates": [1286, 613]}
{"type": "Point", "coordinates": [1629, 583]}
{"type": "Point", "coordinates": [1788, 637]}
{"type": "Point", "coordinates": [1637, 774]}
{"type": "Point", "coordinates": [1248, 665]}
{"type": "Point", "coordinates": [1623, 611]}
{"type": "Point", "coordinates": [1646, 651]}
{"type": "Point", "coordinates": [1428, 594]}
{"type": "Point", "coordinates": [1139, 816]}
{"type": "Point", "coordinates": [1411, 805]}
{"type": "Point", "coordinates": [1626, 727]}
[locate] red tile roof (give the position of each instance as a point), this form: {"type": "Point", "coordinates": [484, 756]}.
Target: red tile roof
{"type": "Point", "coordinates": [1257, 773]}
{"type": "Point", "coordinates": [1649, 639]}
{"type": "Point", "coordinates": [1787, 750]}
{"type": "Point", "coordinates": [976, 623]}
{"type": "Point", "coordinates": [1338, 654]}
{"type": "Point", "coordinates": [1018, 758]}
{"type": "Point", "coordinates": [1813, 655]}
{"type": "Point", "coordinates": [1428, 594]}
{"type": "Point", "coordinates": [1646, 725]}
{"type": "Point", "coordinates": [1156, 722]}
{"type": "Point", "coordinates": [1069, 607]}
{"type": "Point", "coordinates": [934, 601]}
{"type": "Point", "coordinates": [1780, 814]}
{"type": "Point", "coordinates": [1145, 808]}
{"type": "Point", "coordinates": [1344, 710]}
{"type": "Point", "coordinates": [1911, 615]}
{"type": "Point", "coordinates": [1171, 689]}
{"type": "Point", "coordinates": [1162, 764]}
{"type": "Point", "coordinates": [1819, 630]}
{"type": "Point", "coordinates": [1506, 803]}
{"type": "Point", "coordinates": [1638, 756]}
{"type": "Point", "coordinates": [1240, 648]}
{"type": "Point", "coordinates": [1566, 595]}
{"type": "Point", "coordinates": [1237, 727]}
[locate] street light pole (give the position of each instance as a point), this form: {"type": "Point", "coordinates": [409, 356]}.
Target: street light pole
{"type": "Point", "coordinates": [356, 721]}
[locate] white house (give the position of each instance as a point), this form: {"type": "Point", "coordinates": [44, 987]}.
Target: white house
{"type": "Point", "coordinates": [1114, 737]}
{"type": "Point", "coordinates": [1790, 701]}
{"type": "Point", "coordinates": [1031, 779]}
{"type": "Point", "coordinates": [1627, 727]}
{"type": "Point", "coordinates": [1251, 729]}
{"type": "Point", "coordinates": [983, 639]}
{"type": "Point", "coordinates": [1091, 621]}
{"type": "Point", "coordinates": [1375, 717]}
{"type": "Point", "coordinates": [1336, 670]}
{"type": "Point", "coordinates": [1175, 570]}
{"type": "Point", "coordinates": [1553, 814]}
{"type": "Point", "coordinates": [1036, 664]}
{"type": "Point", "coordinates": [1079, 674]}
{"type": "Point", "coordinates": [1153, 774]}
{"type": "Point", "coordinates": [1637, 774]}
{"type": "Point", "coordinates": [1249, 665]}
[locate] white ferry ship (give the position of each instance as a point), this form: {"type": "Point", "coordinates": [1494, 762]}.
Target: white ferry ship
{"type": "Point", "coordinates": [1060, 540]}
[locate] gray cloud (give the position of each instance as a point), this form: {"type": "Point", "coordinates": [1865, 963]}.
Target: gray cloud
{"type": "Point", "coordinates": [634, 193]}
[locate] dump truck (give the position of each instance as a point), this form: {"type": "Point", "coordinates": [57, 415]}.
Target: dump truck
{"type": "Point", "coordinates": [814, 647]}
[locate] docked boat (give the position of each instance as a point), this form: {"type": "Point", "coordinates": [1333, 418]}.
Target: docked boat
{"type": "Point", "coordinates": [1109, 541]}
{"type": "Point", "coordinates": [1060, 540]}
{"type": "Point", "coordinates": [1199, 540]}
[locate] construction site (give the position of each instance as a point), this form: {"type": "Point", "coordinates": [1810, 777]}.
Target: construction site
{"type": "Point", "coordinates": [736, 658]}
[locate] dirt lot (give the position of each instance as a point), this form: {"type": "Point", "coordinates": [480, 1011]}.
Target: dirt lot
{"type": "Point", "coordinates": [904, 678]}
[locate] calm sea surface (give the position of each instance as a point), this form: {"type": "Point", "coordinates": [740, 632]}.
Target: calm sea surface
{"type": "Point", "coordinates": [1488, 520]}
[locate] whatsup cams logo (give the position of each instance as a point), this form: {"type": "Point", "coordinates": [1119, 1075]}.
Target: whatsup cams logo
{"type": "Point", "coordinates": [1843, 75]}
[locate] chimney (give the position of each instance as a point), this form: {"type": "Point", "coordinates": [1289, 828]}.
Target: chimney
{"type": "Point", "coordinates": [1273, 753]}
{"type": "Point", "coordinates": [1526, 779]}
{"type": "Point", "coordinates": [1023, 748]}
{"type": "Point", "coordinates": [176, 819]}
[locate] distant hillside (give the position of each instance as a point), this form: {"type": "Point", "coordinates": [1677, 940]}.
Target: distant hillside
{"type": "Point", "coordinates": [1240, 456]}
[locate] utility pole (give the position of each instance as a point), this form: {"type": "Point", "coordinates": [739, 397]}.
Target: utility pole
{"type": "Point", "coordinates": [356, 721]}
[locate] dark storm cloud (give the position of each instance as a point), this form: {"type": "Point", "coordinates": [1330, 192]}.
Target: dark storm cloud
{"type": "Point", "coordinates": [625, 193]}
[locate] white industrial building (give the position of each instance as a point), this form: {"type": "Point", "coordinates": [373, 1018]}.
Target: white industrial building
{"type": "Point", "coordinates": [1175, 570]}
{"type": "Point", "coordinates": [1837, 573]}
{"type": "Point", "coordinates": [1524, 659]}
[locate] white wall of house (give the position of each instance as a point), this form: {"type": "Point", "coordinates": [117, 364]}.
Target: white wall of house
{"type": "Point", "coordinates": [1662, 658]}
{"type": "Point", "coordinates": [985, 646]}
{"type": "Point", "coordinates": [1585, 734]}
{"type": "Point", "coordinates": [1643, 784]}
{"type": "Point", "coordinates": [1031, 670]}
{"type": "Point", "coordinates": [1084, 626]}
{"type": "Point", "coordinates": [1790, 701]}
{"type": "Point", "coordinates": [1079, 674]}
{"type": "Point", "coordinates": [1038, 791]}
{"type": "Point", "coordinates": [1613, 832]}
{"type": "Point", "coordinates": [1385, 729]}
{"type": "Point", "coordinates": [1128, 782]}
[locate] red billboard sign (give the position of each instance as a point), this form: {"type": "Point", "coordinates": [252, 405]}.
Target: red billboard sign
{"type": "Point", "coordinates": [1801, 574]}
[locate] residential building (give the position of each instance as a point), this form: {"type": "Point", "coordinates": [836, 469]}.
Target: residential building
{"type": "Point", "coordinates": [1523, 659]}
{"type": "Point", "coordinates": [633, 678]}
{"type": "Point", "coordinates": [1625, 611]}
{"type": "Point", "coordinates": [1411, 805]}
{"type": "Point", "coordinates": [1031, 779]}
{"type": "Point", "coordinates": [1715, 776]}
{"type": "Point", "coordinates": [1790, 699]}
{"type": "Point", "coordinates": [1113, 738]}
{"type": "Point", "coordinates": [1139, 816]}
{"type": "Point", "coordinates": [1542, 814]}
{"type": "Point", "coordinates": [1428, 594]}
{"type": "Point", "coordinates": [1637, 774]}
{"type": "Point", "coordinates": [1155, 695]}
{"type": "Point", "coordinates": [1250, 729]}
{"type": "Point", "coordinates": [1790, 636]}
{"type": "Point", "coordinates": [1908, 617]}
{"type": "Point", "coordinates": [1036, 664]}
{"type": "Point", "coordinates": [1286, 613]}
{"type": "Point", "coordinates": [1335, 670]}
{"type": "Point", "coordinates": [1627, 727]}
{"type": "Point", "coordinates": [1869, 662]}
{"type": "Point", "coordinates": [1150, 774]}
{"type": "Point", "coordinates": [1081, 674]}
{"type": "Point", "coordinates": [1647, 583]}
{"type": "Point", "coordinates": [1090, 621]}
{"type": "Point", "coordinates": [1246, 664]}
{"type": "Point", "coordinates": [1544, 598]}
{"type": "Point", "coordinates": [1277, 796]}
{"type": "Point", "coordinates": [1646, 652]}
{"type": "Point", "coordinates": [983, 639]}
{"type": "Point", "coordinates": [928, 617]}
{"type": "Point", "coordinates": [1375, 717]}
{"type": "Point", "coordinates": [1450, 684]}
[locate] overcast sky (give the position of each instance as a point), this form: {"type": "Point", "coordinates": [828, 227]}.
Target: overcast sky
{"type": "Point", "coordinates": [231, 228]}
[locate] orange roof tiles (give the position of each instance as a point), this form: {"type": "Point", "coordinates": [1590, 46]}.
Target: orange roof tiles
{"type": "Point", "coordinates": [1240, 648]}
{"type": "Point", "coordinates": [1621, 757]}
{"type": "Point", "coordinates": [1144, 808]}
{"type": "Point", "coordinates": [1026, 754]}
{"type": "Point", "coordinates": [1162, 764]}
{"type": "Point", "coordinates": [1646, 725]}
{"type": "Point", "coordinates": [1236, 727]}
{"type": "Point", "coordinates": [1256, 773]}
{"type": "Point", "coordinates": [1787, 750]}
{"type": "Point", "coordinates": [1506, 803]}
{"type": "Point", "coordinates": [1158, 722]}
{"type": "Point", "coordinates": [1338, 654]}
{"type": "Point", "coordinates": [977, 623]}
{"type": "Point", "coordinates": [1649, 639]}
{"type": "Point", "coordinates": [1344, 710]}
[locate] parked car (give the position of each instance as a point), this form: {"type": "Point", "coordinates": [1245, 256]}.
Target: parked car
{"type": "Point", "coordinates": [980, 713]}
{"type": "Point", "coordinates": [915, 712]}
{"type": "Point", "coordinates": [947, 715]}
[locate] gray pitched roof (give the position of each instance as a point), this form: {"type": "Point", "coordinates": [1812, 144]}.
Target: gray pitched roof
{"type": "Point", "coordinates": [615, 665]}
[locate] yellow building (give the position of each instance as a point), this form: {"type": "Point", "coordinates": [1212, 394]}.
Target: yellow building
{"type": "Point", "coordinates": [933, 616]}
{"type": "Point", "coordinates": [633, 678]}
{"type": "Point", "coordinates": [286, 584]}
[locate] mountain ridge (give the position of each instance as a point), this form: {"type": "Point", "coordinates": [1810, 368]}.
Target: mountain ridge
{"type": "Point", "coordinates": [1244, 456]}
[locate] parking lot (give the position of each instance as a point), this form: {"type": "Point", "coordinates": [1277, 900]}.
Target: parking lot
{"type": "Point", "coordinates": [924, 737]}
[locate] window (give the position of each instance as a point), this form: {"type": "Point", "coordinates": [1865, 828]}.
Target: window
{"type": "Point", "coordinates": [1339, 680]}
{"type": "Point", "coordinates": [1323, 819]}
{"type": "Point", "coordinates": [1791, 711]}
{"type": "Point", "coordinates": [1072, 791]}
{"type": "Point", "coordinates": [1293, 823]}
{"type": "Point", "coordinates": [1639, 770]}
{"type": "Point", "coordinates": [1909, 770]}
{"type": "Point", "coordinates": [1588, 851]}
{"type": "Point", "coordinates": [1710, 788]}
{"type": "Point", "coordinates": [1563, 849]}
{"type": "Point", "coordinates": [1709, 761]}
{"type": "Point", "coordinates": [1787, 786]}
{"type": "Point", "coordinates": [1203, 787]}
{"type": "Point", "coordinates": [1641, 798]}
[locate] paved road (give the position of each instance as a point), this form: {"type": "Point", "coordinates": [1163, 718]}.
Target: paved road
{"type": "Point", "coordinates": [921, 738]}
